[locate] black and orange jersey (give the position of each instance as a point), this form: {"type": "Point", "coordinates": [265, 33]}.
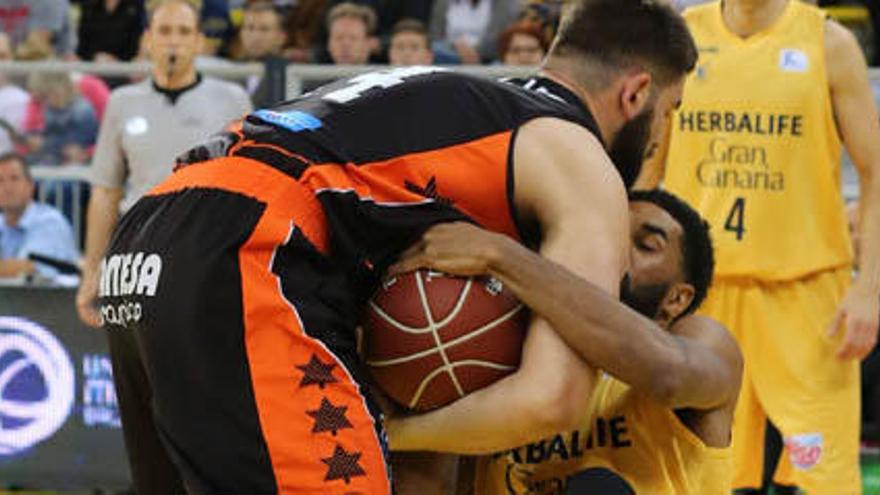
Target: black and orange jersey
{"type": "Point", "coordinates": [233, 289]}
{"type": "Point", "coordinates": [390, 153]}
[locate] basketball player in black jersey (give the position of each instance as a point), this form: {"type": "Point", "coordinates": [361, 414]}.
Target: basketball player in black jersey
{"type": "Point", "coordinates": [248, 267]}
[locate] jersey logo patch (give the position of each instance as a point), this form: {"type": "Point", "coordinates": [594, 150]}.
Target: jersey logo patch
{"type": "Point", "coordinates": [294, 120]}
{"type": "Point", "coordinates": [429, 191]}
{"type": "Point", "coordinates": [791, 60]}
{"type": "Point", "coordinates": [804, 450]}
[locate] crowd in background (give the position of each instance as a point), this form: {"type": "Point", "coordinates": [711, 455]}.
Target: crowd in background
{"type": "Point", "coordinates": [53, 119]}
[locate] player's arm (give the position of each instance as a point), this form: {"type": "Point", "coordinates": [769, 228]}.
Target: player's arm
{"type": "Point", "coordinates": [582, 209]}
{"type": "Point", "coordinates": [697, 364]}
{"type": "Point", "coordinates": [859, 127]}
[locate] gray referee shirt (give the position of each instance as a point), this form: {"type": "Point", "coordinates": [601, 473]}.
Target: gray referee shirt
{"type": "Point", "coordinates": [145, 128]}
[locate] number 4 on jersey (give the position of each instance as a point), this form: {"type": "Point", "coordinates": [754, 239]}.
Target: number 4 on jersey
{"type": "Point", "coordinates": [736, 218]}
{"type": "Point", "coordinates": [383, 79]}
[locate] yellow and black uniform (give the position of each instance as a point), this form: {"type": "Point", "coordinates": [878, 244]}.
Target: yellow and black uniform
{"type": "Point", "coordinates": [263, 247]}
{"type": "Point", "coordinates": [630, 435]}
{"type": "Point", "coordinates": [755, 149]}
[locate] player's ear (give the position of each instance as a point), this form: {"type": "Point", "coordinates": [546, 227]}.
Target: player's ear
{"type": "Point", "coordinates": [635, 93]}
{"type": "Point", "coordinates": [676, 301]}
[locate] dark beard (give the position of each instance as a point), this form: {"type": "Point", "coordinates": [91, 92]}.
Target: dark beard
{"type": "Point", "coordinates": [630, 146]}
{"type": "Point", "coordinates": [644, 299]}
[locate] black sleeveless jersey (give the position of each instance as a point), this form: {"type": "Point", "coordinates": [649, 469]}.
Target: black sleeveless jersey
{"type": "Point", "coordinates": [390, 153]}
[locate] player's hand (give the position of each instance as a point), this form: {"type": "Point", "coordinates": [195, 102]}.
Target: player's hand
{"type": "Point", "coordinates": [85, 299]}
{"type": "Point", "coordinates": [457, 248]}
{"type": "Point", "coordinates": [859, 313]}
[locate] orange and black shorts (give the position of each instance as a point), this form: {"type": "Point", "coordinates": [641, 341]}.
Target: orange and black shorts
{"type": "Point", "coordinates": [244, 335]}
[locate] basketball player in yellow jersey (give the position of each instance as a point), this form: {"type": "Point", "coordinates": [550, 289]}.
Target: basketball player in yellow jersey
{"type": "Point", "coordinates": [756, 147]}
{"type": "Point", "coordinates": [662, 438]}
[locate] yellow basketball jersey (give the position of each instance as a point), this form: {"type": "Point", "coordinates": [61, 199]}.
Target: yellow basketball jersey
{"type": "Point", "coordinates": [755, 148]}
{"type": "Point", "coordinates": [631, 435]}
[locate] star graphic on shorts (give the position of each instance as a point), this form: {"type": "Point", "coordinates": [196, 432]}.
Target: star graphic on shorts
{"type": "Point", "coordinates": [329, 418]}
{"type": "Point", "coordinates": [343, 465]}
{"type": "Point", "coordinates": [317, 372]}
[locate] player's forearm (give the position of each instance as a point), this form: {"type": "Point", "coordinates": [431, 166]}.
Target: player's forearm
{"type": "Point", "coordinates": [504, 416]}
{"type": "Point", "coordinates": [869, 262]}
{"type": "Point", "coordinates": [102, 215]}
{"type": "Point", "coordinates": [604, 332]}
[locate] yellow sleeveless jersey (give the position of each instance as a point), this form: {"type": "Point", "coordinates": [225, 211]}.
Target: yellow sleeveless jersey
{"type": "Point", "coordinates": [641, 441]}
{"type": "Point", "coordinates": [755, 148]}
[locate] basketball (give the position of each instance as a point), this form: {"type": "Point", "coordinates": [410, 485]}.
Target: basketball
{"type": "Point", "coordinates": [432, 338]}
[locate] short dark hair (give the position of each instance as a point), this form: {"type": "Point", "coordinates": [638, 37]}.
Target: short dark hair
{"type": "Point", "coordinates": [414, 26]}
{"type": "Point", "coordinates": [12, 156]}
{"type": "Point", "coordinates": [697, 253]}
{"type": "Point", "coordinates": [621, 34]}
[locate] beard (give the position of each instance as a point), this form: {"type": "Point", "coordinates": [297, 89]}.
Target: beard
{"type": "Point", "coordinates": [630, 146]}
{"type": "Point", "coordinates": [644, 299]}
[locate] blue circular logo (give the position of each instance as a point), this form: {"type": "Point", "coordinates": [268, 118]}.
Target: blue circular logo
{"type": "Point", "coordinates": [36, 385]}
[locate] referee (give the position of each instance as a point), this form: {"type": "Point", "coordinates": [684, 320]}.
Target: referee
{"type": "Point", "coordinates": [147, 125]}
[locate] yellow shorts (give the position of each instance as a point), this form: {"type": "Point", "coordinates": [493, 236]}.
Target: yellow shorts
{"type": "Point", "coordinates": [793, 378]}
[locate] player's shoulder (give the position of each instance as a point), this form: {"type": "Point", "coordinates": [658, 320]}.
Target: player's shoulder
{"type": "Point", "coordinates": [560, 144]}
{"type": "Point", "coordinates": [838, 39]}
{"type": "Point", "coordinates": [548, 131]}
{"type": "Point", "coordinates": [711, 333]}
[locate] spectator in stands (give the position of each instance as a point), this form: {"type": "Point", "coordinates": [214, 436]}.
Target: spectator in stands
{"type": "Point", "coordinates": [410, 44]}
{"type": "Point", "coordinates": [468, 30]}
{"type": "Point", "coordinates": [28, 227]}
{"type": "Point", "coordinates": [110, 30]}
{"type": "Point", "coordinates": [216, 25]}
{"type": "Point", "coordinates": [91, 88]}
{"type": "Point", "coordinates": [262, 38]}
{"type": "Point", "coordinates": [38, 27]}
{"type": "Point", "coordinates": [302, 27]}
{"type": "Point", "coordinates": [543, 13]}
{"type": "Point", "coordinates": [262, 31]}
{"type": "Point", "coordinates": [13, 103]}
{"type": "Point", "coordinates": [147, 125]}
{"type": "Point", "coordinates": [350, 26]}
{"type": "Point", "coordinates": [388, 14]}
{"type": "Point", "coordinates": [522, 44]}
{"type": "Point", "coordinates": [70, 124]}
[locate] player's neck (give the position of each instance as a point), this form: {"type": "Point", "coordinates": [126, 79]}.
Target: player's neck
{"type": "Point", "coordinates": [748, 17]}
{"type": "Point", "coordinates": [603, 120]}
